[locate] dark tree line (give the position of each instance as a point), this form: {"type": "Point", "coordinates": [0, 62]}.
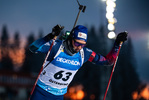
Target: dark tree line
{"type": "Point", "coordinates": [32, 62]}
{"type": "Point", "coordinates": [125, 79]}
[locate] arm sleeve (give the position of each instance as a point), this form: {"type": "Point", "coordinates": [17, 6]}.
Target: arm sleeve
{"type": "Point", "coordinates": [40, 45]}
{"type": "Point", "coordinates": [99, 59]}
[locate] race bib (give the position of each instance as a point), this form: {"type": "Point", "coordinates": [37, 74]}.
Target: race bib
{"type": "Point", "coordinates": [57, 77]}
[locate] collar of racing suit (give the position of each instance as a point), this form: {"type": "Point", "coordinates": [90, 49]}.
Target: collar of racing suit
{"type": "Point", "coordinates": [69, 47]}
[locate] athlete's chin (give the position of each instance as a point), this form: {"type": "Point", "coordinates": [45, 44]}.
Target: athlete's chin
{"type": "Point", "coordinates": [77, 50]}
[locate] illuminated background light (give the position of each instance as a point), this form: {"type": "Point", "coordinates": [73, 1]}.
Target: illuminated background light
{"type": "Point", "coordinates": [111, 21]}
{"type": "Point", "coordinates": [109, 9]}
{"type": "Point", "coordinates": [110, 3]}
{"type": "Point", "coordinates": [109, 15]}
{"type": "Point", "coordinates": [111, 35]}
{"type": "Point", "coordinates": [111, 27]}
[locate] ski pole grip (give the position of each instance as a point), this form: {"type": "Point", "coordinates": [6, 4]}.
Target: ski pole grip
{"type": "Point", "coordinates": [55, 37]}
{"type": "Point", "coordinates": [121, 42]}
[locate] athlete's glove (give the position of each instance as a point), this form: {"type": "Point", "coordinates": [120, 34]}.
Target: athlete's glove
{"type": "Point", "coordinates": [121, 37]}
{"type": "Point", "coordinates": [56, 30]}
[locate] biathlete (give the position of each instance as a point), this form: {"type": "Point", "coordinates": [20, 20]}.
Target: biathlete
{"type": "Point", "coordinates": [65, 59]}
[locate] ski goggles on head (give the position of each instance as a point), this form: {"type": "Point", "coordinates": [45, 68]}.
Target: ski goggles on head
{"type": "Point", "coordinates": [78, 44]}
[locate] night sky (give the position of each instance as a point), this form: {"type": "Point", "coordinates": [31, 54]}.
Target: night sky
{"type": "Point", "coordinates": [26, 16]}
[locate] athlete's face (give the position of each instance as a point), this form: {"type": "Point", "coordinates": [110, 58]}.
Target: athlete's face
{"type": "Point", "coordinates": [78, 44]}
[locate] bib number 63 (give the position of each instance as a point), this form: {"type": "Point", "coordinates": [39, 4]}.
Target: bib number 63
{"type": "Point", "coordinates": [60, 75]}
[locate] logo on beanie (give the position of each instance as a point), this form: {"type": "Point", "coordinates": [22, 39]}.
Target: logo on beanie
{"type": "Point", "coordinates": [82, 35]}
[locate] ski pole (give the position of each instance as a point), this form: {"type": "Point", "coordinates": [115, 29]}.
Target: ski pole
{"type": "Point", "coordinates": [43, 65]}
{"type": "Point", "coordinates": [45, 60]}
{"type": "Point", "coordinates": [112, 70]}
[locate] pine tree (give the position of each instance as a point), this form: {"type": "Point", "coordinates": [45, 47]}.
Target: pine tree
{"type": "Point", "coordinates": [6, 62]}
{"type": "Point", "coordinates": [17, 40]}
{"type": "Point", "coordinates": [4, 36]}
